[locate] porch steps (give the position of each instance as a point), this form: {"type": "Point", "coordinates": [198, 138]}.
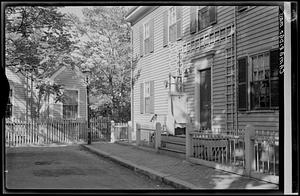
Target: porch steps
{"type": "Point", "coordinates": [173, 145]}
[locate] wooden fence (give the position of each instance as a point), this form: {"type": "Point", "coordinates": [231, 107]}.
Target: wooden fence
{"type": "Point", "coordinates": [21, 133]}
{"type": "Point", "coordinates": [246, 151]}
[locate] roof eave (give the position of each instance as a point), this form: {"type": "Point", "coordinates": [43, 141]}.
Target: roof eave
{"type": "Point", "coordinates": [137, 12]}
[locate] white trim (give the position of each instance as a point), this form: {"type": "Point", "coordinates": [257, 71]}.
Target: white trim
{"type": "Point", "coordinates": [288, 173]}
{"type": "Point", "coordinates": [201, 64]}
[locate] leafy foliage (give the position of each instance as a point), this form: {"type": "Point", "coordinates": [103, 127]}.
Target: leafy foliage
{"type": "Point", "coordinates": [37, 42]}
{"type": "Point", "coordinates": [106, 52]}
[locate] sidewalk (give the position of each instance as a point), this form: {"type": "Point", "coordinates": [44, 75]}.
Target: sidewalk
{"type": "Point", "coordinates": [174, 171]}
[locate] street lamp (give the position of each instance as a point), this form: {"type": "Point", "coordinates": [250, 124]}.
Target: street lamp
{"type": "Point", "coordinates": [86, 72]}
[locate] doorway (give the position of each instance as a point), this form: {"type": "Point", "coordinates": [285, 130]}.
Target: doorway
{"type": "Point", "coordinates": [205, 99]}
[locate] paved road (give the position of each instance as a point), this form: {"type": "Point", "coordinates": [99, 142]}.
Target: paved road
{"type": "Point", "coordinates": [69, 167]}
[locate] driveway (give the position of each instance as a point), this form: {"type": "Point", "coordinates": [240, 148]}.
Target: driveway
{"type": "Point", "coordinates": [69, 167]}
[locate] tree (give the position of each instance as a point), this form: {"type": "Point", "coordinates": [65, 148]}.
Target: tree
{"type": "Point", "coordinates": [106, 51]}
{"type": "Point", "coordinates": [37, 42]}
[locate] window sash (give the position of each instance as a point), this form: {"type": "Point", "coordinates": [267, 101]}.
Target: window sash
{"type": "Point", "coordinates": [70, 111]}
{"type": "Point", "coordinates": [147, 45]}
{"type": "Point", "coordinates": [261, 93]}
{"type": "Point", "coordinates": [172, 16]}
{"type": "Point", "coordinates": [146, 31]}
{"type": "Point", "coordinates": [172, 33]}
{"type": "Point", "coordinates": [147, 89]}
{"type": "Point", "coordinates": [147, 104]}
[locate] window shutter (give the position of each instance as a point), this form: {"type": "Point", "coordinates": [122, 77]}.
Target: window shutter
{"type": "Point", "coordinates": [179, 22]}
{"type": "Point", "coordinates": [165, 28]}
{"type": "Point", "coordinates": [142, 98]}
{"type": "Point", "coordinates": [212, 10]}
{"type": "Point", "coordinates": [152, 97]}
{"type": "Point", "coordinates": [193, 18]}
{"type": "Point", "coordinates": [151, 35]}
{"type": "Point", "coordinates": [141, 39]}
{"type": "Point", "coordinates": [242, 84]}
{"type": "Point", "coordinates": [274, 63]}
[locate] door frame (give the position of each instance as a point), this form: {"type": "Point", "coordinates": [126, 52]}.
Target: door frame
{"type": "Point", "coordinates": [201, 64]}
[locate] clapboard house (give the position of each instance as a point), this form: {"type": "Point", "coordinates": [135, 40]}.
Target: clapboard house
{"type": "Point", "coordinates": [215, 64]}
{"type": "Point", "coordinates": [23, 96]}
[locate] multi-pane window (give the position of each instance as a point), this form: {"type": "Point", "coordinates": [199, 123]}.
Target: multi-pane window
{"type": "Point", "coordinates": [260, 83]}
{"type": "Point", "coordinates": [147, 97]}
{"type": "Point", "coordinates": [172, 24]}
{"type": "Point", "coordinates": [8, 112]}
{"type": "Point", "coordinates": [70, 104]}
{"type": "Point", "coordinates": [206, 17]}
{"type": "Point", "coordinates": [262, 77]}
{"type": "Point", "coordinates": [147, 37]}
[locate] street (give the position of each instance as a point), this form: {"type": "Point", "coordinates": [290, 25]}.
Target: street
{"type": "Point", "coordinates": [69, 167]}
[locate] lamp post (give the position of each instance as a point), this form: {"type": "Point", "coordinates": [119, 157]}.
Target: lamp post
{"type": "Point", "coordinates": [86, 72]}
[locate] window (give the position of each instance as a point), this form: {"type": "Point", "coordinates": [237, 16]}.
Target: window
{"type": "Point", "coordinates": [206, 17]}
{"type": "Point", "coordinates": [70, 104]}
{"type": "Point", "coordinates": [8, 112]}
{"type": "Point", "coordinates": [263, 81]}
{"type": "Point", "coordinates": [172, 25]}
{"type": "Point", "coordinates": [147, 38]}
{"type": "Point", "coordinates": [147, 97]}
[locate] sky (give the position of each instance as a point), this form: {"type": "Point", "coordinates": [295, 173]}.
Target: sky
{"type": "Point", "coordinates": [77, 10]}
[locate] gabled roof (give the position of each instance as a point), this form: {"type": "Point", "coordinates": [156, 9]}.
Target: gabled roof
{"type": "Point", "coordinates": [61, 69]}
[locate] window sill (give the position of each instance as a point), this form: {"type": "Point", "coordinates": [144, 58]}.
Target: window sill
{"type": "Point", "coordinates": [259, 111]}
{"type": "Point", "coordinates": [210, 27]}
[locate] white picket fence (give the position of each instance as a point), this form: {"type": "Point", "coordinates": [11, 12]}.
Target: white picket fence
{"type": "Point", "coordinates": [21, 133]}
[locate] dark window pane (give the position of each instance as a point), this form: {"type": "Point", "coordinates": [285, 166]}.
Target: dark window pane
{"type": "Point", "coordinates": [274, 93]}
{"type": "Point", "coordinates": [242, 99]}
{"type": "Point", "coordinates": [274, 63]}
{"type": "Point", "coordinates": [242, 66]}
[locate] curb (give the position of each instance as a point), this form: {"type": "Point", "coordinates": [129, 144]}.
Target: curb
{"type": "Point", "coordinates": [152, 174]}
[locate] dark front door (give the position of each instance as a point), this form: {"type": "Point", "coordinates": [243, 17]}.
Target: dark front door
{"type": "Point", "coordinates": [205, 101]}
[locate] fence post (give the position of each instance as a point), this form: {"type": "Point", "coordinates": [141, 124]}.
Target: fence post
{"type": "Point", "coordinates": [129, 129]}
{"type": "Point", "coordinates": [188, 138]}
{"type": "Point", "coordinates": [249, 149]}
{"type": "Point", "coordinates": [138, 134]}
{"type": "Point", "coordinates": [112, 131]}
{"type": "Point", "coordinates": [157, 135]}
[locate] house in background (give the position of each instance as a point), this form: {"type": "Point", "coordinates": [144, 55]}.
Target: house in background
{"type": "Point", "coordinates": [216, 64]}
{"type": "Point", "coordinates": [23, 102]}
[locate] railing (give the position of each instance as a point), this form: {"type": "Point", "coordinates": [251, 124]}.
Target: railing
{"type": "Point", "coordinates": [20, 133]}
{"type": "Point", "coordinates": [220, 146]}
{"type": "Point", "coordinates": [266, 149]}
{"type": "Point", "coordinates": [120, 132]}
{"type": "Point", "coordinates": [148, 136]}
{"type": "Point", "coordinates": [246, 151]}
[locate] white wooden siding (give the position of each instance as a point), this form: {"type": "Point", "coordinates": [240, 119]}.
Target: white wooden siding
{"type": "Point", "coordinates": [69, 79]}
{"type": "Point", "coordinates": [258, 31]}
